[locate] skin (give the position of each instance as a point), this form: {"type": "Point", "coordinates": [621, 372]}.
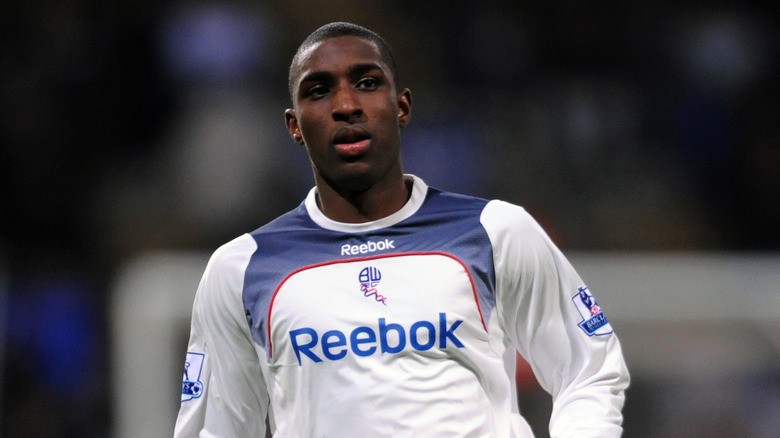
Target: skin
{"type": "Point", "coordinates": [348, 114]}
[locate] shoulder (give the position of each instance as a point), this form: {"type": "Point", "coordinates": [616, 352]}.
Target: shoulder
{"type": "Point", "coordinates": [227, 263]}
{"type": "Point", "coordinates": [293, 221]}
{"type": "Point", "coordinates": [511, 228]}
{"type": "Point", "coordinates": [496, 216]}
{"type": "Point", "coordinates": [233, 250]}
{"type": "Point", "coordinates": [504, 215]}
{"type": "Point", "coordinates": [234, 255]}
{"type": "Point", "coordinates": [440, 201]}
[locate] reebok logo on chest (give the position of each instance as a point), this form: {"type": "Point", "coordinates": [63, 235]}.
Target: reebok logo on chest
{"type": "Point", "coordinates": [368, 247]}
{"type": "Point", "coordinates": [366, 341]}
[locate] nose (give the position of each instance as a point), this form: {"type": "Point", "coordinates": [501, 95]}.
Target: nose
{"type": "Point", "coordinates": [346, 104]}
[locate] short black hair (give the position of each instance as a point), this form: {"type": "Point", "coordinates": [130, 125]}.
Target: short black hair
{"type": "Point", "coordinates": [339, 29]}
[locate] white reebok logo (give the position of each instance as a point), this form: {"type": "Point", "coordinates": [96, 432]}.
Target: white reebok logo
{"type": "Point", "coordinates": [368, 247]}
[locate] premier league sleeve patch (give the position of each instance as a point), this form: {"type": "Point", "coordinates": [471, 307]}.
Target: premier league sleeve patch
{"type": "Point", "coordinates": [192, 387]}
{"type": "Point", "coordinates": [594, 322]}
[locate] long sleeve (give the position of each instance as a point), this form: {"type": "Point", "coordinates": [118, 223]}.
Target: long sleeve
{"type": "Point", "coordinates": [223, 393]}
{"type": "Point", "coordinates": [553, 320]}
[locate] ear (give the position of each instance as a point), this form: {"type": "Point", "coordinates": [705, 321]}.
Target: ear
{"type": "Point", "coordinates": [292, 126]}
{"type": "Point", "coordinates": [404, 107]}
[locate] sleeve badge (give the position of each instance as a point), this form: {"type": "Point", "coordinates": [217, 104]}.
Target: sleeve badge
{"type": "Point", "coordinates": [594, 322]}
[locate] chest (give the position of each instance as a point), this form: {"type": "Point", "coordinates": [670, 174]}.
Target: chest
{"type": "Point", "coordinates": [406, 302]}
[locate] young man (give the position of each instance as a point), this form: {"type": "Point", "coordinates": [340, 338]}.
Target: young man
{"type": "Point", "coordinates": [384, 307]}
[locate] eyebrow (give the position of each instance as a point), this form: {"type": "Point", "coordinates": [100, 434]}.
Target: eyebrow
{"type": "Point", "coordinates": [355, 70]}
{"type": "Point", "coordinates": [317, 76]}
{"type": "Point", "coordinates": [364, 68]}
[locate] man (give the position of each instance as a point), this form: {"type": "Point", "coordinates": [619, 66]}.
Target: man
{"type": "Point", "coordinates": [384, 307]}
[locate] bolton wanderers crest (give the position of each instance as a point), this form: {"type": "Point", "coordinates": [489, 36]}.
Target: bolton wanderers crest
{"type": "Point", "coordinates": [369, 280]}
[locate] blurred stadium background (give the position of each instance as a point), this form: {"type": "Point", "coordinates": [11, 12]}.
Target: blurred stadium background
{"type": "Point", "coordinates": [135, 137]}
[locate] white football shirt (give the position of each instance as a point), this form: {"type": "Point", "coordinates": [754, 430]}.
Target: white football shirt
{"type": "Point", "coordinates": [405, 326]}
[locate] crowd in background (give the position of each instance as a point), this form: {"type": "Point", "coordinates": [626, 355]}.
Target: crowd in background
{"type": "Point", "coordinates": [127, 127]}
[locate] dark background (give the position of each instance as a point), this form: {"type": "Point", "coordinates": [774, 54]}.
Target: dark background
{"type": "Point", "coordinates": [130, 127]}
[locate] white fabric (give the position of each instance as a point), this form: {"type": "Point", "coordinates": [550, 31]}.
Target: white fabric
{"type": "Point", "coordinates": [402, 335]}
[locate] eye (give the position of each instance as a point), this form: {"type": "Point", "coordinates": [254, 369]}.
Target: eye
{"type": "Point", "coordinates": [368, 84]}
{"type": "Point", "coordinates": [316, 91]}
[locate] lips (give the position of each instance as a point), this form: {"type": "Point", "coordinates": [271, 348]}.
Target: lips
{"type": "Point", "coordinates": [352, 141]}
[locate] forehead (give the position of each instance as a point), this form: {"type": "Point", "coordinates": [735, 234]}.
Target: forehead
{"type": "Point", "coordinates": [333, 54]}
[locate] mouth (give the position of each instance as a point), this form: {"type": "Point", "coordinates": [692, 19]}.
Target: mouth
{"type": "Point", "coordinates": [352, 141]}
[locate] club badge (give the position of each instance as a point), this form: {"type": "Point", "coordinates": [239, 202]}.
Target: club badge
{"type": "Point", "coordinates": [369, 279]}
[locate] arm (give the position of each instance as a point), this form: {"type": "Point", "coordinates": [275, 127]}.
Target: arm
{"type": "Point", "coordinates": [540, 307]}
{"type": "Point", "coordinates": [224, 393]}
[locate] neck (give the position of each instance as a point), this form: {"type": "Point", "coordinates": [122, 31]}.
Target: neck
{"type": "Point", "coordinates": [368, 205]}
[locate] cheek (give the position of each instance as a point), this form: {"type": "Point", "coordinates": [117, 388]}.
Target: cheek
{"type": "Point", "coordinates": [310, 129]}
{"type": "Point", "coordinates": [385, 117]}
